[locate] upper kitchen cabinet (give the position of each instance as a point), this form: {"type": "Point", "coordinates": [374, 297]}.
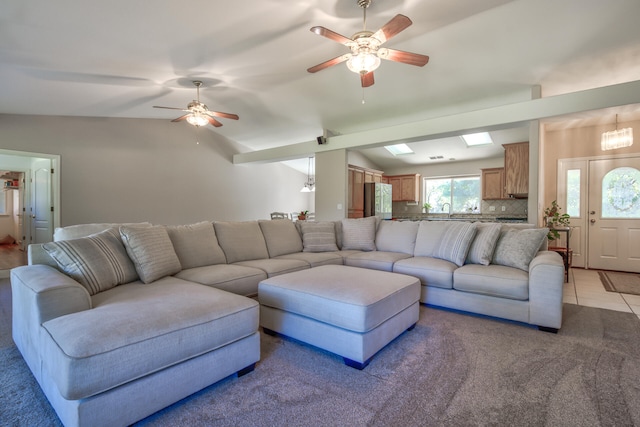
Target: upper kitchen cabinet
{"type": "Point", "coordinates": [516, 169]}
{"type": "Point", "coordinates": [493, 184]}
{"type": "Point", "coordinates": [406, 188]}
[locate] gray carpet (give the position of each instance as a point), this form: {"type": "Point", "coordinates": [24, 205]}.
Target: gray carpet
{"type": "Point", "coordinates": [453, 369]}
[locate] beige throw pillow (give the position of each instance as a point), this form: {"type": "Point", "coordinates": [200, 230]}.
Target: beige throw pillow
{"type": "Point", "coordinates": [196, 244]}
{"type": "Point", "coordinates": [516, 248]}
{"type": "Point", "coordinates": [359, 233]}
{"type": "Point", "coordinates": [151, 251]}
{"type": "Point", "coordinates": [318, 236]}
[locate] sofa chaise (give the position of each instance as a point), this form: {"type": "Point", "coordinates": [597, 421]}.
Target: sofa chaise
{"type": "Point", "coordinates": [117, 321]}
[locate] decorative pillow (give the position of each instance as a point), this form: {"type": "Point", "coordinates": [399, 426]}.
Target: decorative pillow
{"type": "Point", "coordinates": [483, 245]}
{"type": "Point", "coordinates": [196, 244]}
{"type": "Point", "coordinates": [359, 233]}
{"type": "Point", "coordinates": [84, 230]}
{"type": "Point", "coordinates": [281, 237]}
{"type": "Point", "coordinates": [241, 241]}
{"type": "Point", "coordinates": [397, 236]}
{"type": "Point", "coordinates": [318, 236]}
{"type": "Point", "coordinates": [448, 240]}
{"type": "Point", "coordinates": [151, 251]}
{"type": "Point", "coordinates": [98, 262]}
{"type": "Point", "coordinates": [516, 248]}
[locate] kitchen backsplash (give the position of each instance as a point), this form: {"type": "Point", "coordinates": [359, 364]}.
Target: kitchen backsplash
{"type": "Point", "coordinates": [511, 207]}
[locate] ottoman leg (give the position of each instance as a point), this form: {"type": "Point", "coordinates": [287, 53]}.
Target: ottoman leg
{"type": "Point", "coordinates": [357, 365]}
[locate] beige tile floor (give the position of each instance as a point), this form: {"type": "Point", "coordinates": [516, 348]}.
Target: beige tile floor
{"type": "Point", "coordinates": [584, 288]}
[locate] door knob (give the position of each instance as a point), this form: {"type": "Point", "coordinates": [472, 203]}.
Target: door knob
{"type": "Point", "coordinates": [592, 213]}
{"type": "Point", "coordinates": [593, 221]}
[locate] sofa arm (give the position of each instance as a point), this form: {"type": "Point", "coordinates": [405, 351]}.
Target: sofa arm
{"type": "Point", "coordinates": [46, 293]}
{"type": "Point", "coordinates": [546, 280]}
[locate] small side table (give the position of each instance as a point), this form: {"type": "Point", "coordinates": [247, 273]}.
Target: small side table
{"type": "Point", "coordinates": [564, 251]}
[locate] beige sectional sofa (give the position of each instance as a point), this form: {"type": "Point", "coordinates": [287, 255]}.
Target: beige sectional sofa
{"type": "Point", "coordinates": [117, 321]}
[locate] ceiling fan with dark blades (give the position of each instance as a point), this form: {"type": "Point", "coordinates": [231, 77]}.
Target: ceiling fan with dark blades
{"type": "Point", "coordinates": [198, 114]}
{"type": "Point", "coordinates": [366, 50]}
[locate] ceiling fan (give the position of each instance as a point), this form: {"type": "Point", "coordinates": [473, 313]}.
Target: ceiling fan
{"type": "Point", "coordinates": [366, 50]}
{"type": "Point", "coordinates": [199, 114]}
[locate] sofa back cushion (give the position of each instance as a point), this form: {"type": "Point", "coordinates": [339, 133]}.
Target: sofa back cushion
{"type": "Point", "coordinates": [151, 251]}
{"type": "Point", "coordinates": [98, 262]}
{"type": "Point", "coordinates": [516, 248]}
{"type": "Point", "coordinates": [359, 233]}
{"type": "Point", "coordinates": [397, 236]}
{"type": "Point", "coordinates": [448, 240]}
{"type": "Point", "coordinates": [484, 243]}
{"type": "Point", "coordinates": [196, 245]}
{"type": "Point", "coordinates": [281, 237]}
{"type": "Point", "coordinates": [241, 241]}
{"type": "Point", "coordinates": [318, 236]}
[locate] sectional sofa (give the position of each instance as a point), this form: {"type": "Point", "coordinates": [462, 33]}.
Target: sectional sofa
{"type": "Point", "coordinates": [117, 321]}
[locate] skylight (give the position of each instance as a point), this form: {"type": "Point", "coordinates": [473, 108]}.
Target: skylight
{"type": "Point", "coordinates": [473, 139]}
{"type": "Point", "coordinates": [399, 149]}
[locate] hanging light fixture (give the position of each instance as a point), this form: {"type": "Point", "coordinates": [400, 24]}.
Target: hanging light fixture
{"type": "Point", "coordinates": [618, 138]}
{"type": "Point", "coordinates": [310, 184]}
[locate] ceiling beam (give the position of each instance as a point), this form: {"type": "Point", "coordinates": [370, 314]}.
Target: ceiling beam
{"type": "Point", "coordinates": [487, 119]}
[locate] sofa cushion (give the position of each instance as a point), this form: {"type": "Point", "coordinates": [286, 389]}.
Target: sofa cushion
{"type": "Point", "coordinates": [359, 233]}
{"type": "Point", "coordinates": [315, 259]}
{"type": "Point", "coordinates": [234, 278]}
{"type": "Point", "coordinates": [98, 262]}
{"type": "Point", "coordinates": [516, 248]}
{"type": "Point", "coordinates": [196, 244]}
{"type": "Point", "coordinates": [318, 236]}
{"type": "Point", "coordinates": [397, 236]}
{"type": "Point", "coordinates": [492, 280]}
{"type": "Point", "coordinates": [375, 260]}
{"type": "Point", "coordinates": [135, 330]}
{"type": "Point", "coordinates": [448, 240]}
{"type": "Point", "coordinates": [431, 271]}
{"type": "Point", "coordinates": [484, 243]}
{"type": "Point", "coordinates": [151, 251]}
{"type": "Point", "coordinates": [241, 241]}
{"type": "Point", "coordinates": [281, 237]}
{"type": "Point", "coordinates": [276, 266]}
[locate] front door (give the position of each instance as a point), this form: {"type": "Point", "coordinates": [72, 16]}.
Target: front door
{"type": "Point", "coordinates": [614, 214]}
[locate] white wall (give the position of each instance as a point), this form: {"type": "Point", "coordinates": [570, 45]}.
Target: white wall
{"type": "Point", "coordinates": [117, 170]}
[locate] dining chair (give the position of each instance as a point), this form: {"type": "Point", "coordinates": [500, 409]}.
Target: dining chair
{"type": "Point", "coordinates": [279, 215]}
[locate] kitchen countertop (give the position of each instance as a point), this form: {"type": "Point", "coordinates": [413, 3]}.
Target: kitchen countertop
{"type": "Point", "coordinates": [463, 217]}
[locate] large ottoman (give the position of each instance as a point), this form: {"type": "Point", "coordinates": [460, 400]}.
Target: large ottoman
{"type": "Point", "coordinates": [353, 312]}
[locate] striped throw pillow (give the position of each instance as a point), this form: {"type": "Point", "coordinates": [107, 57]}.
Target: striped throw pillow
{"type": "Point", "coordinates": [359, 233]}
{"type": "Point", "coordinates": [151, 251]}
{"type": "Point", "coordinates": [318, 236]}
{"type": "Point", "coordinates": [98, 262]}
{"type": "Point", "coordinates": [483, 245]}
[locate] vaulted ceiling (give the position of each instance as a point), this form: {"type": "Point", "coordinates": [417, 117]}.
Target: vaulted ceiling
{"type": "Point", "coordinates": [119, 58]}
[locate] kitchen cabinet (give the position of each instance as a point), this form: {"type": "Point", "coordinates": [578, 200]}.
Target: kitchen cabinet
{"type": "Point", "coordinates": [406, 188]}
{"type": "Point", "coordinates": [493, 185]}
{"type": "Point", "coordinates": [516, 169]}
{"type": "Point", "coordinates": [357, 177]}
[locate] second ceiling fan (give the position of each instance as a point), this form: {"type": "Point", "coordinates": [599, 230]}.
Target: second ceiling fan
{"type": "Point", "coordinates": [366, 50]}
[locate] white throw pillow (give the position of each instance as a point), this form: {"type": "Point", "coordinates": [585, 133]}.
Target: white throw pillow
{"type": "Point", "coordinates": [98, 262]}
{"type": "Point", "coordinates": [151, 251]}
{"type": "Point", "coordinates": [359, 233]}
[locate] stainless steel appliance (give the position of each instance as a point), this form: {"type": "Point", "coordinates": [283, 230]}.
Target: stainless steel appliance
{"type": "Point", "coordinates": [377, 200]}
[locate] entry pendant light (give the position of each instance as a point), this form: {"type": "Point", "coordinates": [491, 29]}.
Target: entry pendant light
{"type": "Point", "coordinates": [618, 138]}
{"type": "Point", "coordinates": [310, 184]}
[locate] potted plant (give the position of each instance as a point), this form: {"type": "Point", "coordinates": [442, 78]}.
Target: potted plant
{"type": "Point", "coordinates": [425, 207]}
{"type": "Point", "coordinates": [553, 219]}
{"type": "Point", "coordinates": [302, 215]}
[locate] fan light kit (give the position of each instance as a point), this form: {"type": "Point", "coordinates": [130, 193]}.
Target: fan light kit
{"type": "Point", "coordinates": [199, 114]}
{"type": "Point", "coordinates": [366, 50]}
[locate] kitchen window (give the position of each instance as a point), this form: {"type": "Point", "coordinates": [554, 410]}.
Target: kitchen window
{"type": "Point", "coordinates": [460, 194]}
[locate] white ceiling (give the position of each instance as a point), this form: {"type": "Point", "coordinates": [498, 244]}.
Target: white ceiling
{"type": "Point", "coordinates": [119, 58]}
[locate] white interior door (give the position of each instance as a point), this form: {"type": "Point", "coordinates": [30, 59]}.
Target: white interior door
{"type": "Point", "coordinates": [41, 204]}
{"type": "Point", "coordinates": [614, 214]}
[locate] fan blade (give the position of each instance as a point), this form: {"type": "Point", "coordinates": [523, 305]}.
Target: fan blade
{"type": "Point", "coordinates": [220, 114]}
{"type": "Point", "coordinates": [391, 28]}
{"type": "Point", "coordinates": [329, 63]}
{"type": "Point", "coordinates": [332, 35]}
{"type": "Point", "coordinates": [179, 119]}
{"type": "Point", "coordinates": [214, 122]}
{"type": "Point", "coordinates": [170, 108]}
{"type": "Point", "coordinates": [367, 79]}
{"type": "Point", "coordinates": [404, 57]}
